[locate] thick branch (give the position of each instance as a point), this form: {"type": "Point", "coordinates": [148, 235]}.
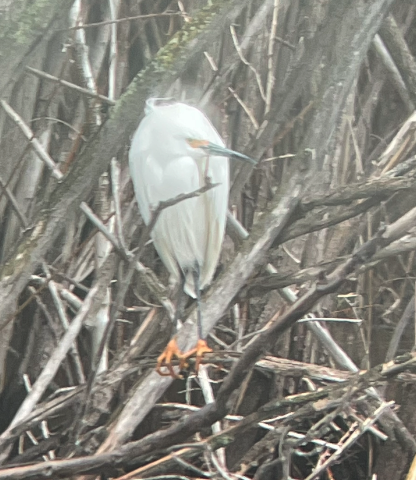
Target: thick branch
{"type": "Point", "coordinates": [399, 50]}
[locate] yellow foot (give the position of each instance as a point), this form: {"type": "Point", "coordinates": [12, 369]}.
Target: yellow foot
{"type": "Point", "coordinates": [200, 349]}
{"type": "Point", "coordinates": [165, 360]}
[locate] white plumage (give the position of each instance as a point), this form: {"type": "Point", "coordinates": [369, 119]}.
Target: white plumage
{"type": "Point", "coordinates": [163, 165]}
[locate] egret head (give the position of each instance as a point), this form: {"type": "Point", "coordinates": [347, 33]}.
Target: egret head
{"type": "Point", "coordinates": [206, 147]}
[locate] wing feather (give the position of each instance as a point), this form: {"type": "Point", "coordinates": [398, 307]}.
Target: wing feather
{"type": "Point", "coordinates": [192, 231]}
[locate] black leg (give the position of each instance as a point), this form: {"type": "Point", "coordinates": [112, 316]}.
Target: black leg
{"type": "Point", "coordinates": [201, 346]}
{"type": "Point", "coordinates": [171, 351]}
{"type": "Point", "coordinates": [180, 304]}
{"type": "Point", "coordinates": [195, 273]}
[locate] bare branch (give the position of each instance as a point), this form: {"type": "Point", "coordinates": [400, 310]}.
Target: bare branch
{"type": "Point", "coordinates": [36, 145]}
{"type": "Point", "coordinates": [89, 304]}
{"type": "Point", "coordinates": [127, 19]}
{"type": "Point", "coordinates": [70, 85]}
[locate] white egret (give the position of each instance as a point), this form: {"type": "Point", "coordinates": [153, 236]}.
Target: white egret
{"type": "Point", "coordinates": [174, 150]}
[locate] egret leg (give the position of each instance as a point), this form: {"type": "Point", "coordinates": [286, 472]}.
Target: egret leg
{"type": "Point", "coordinates": [201, 346]}
{"type": "Point", "coordinates": [180, 304]}
{"type": "Point", "coordinates": [198, 302]}
{"type": "Point", "coordinates": [172, 349]}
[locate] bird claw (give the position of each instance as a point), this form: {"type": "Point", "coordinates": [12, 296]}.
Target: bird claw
{"type": "Point", "coordinates": [165, 360]}
{"type": "Point", "coordinates": [172, 350]}
{"type": "Point", "coordinates": [199, 351]}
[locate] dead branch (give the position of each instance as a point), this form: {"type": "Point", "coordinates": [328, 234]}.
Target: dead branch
{"type": "Point", "coordinates": [397, 46]}
{"type": "Point", "coordinates": [194, 421]}
{"type": "Point", "coordinates": [66, 84]}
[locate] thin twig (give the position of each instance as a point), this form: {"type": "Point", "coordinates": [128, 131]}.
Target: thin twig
{"type": "Point", "coordinates": [70, 85]}
{"type": "Point", "coordinates": [358, 432]}
{"type": "Point", "coordinates": [112, 68]}
{"type": "Point", "coordinates": [249, 113]}
{"type": "Point", "coordinates": [206, 388]}
{"type": "Point", "coordinates": [246, 62]}
{"type": "Point", "coordinates": [54, 362]}
{"type": "Point", "coordinates": [170, 203]}
{"type": "Point", "coordinates": [36, 145]}
{"type": "Point", "coordinates": [96, 221]}
{"type": "Point", "coordinates": [15, 204]}
{"type": "Point", "coordinates": [115, 185]}
{"type": "Point", "coordinates": [128, 256]}
{"type": "Point", "coordinates": [65, 323]}
{"type": "Point", "coordinates": [270, 52]}
{"type": "Point", "coordinates": [125, 19]}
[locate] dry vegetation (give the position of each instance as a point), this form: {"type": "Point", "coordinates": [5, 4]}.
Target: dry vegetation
{"type": "Point", "coordinates": [323, 93]}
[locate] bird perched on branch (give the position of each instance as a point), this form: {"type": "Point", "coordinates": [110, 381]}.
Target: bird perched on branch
{"type": "Point", "coordinates": [176, 150]}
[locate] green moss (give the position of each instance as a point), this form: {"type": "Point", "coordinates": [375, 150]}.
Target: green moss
{"type": "Point", "coordinates": [21, 257]}
{"type": "Point", "coordinates": [170, 52]}
{"type": "Point", "coordinates": [173, 51]}
{"type": "Point", "coordinates": [19, 260]}
{"type": "Point", "coordinates": [28, 19]}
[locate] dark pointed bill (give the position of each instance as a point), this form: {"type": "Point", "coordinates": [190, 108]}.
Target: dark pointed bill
{"type": "Point", "coordinates": [226, 152]}
{"type": "Point", "coordinates": [214, 149]}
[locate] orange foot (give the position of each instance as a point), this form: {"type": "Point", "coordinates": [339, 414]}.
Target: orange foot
{"type": "Point", "coordinates": [199, 350]}
{"type": "Point", "coordinates": [165, 360]}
